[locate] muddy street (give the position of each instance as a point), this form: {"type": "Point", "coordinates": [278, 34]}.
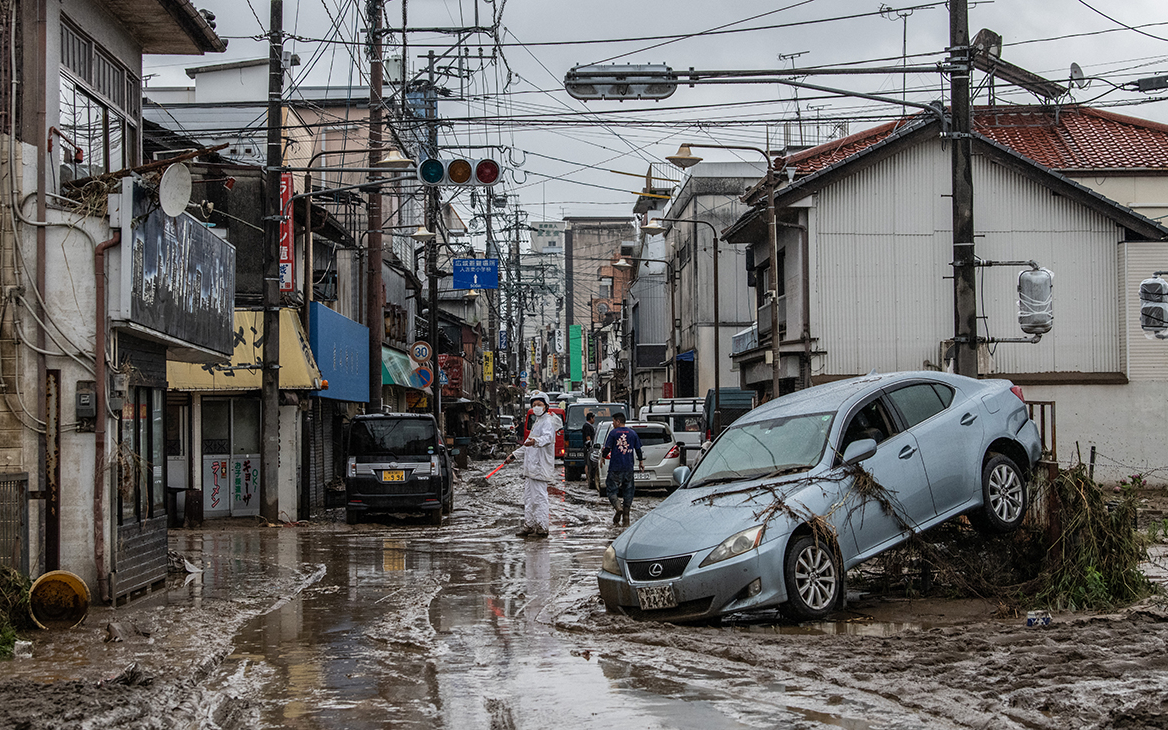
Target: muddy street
{"type": "Point", "coordinates": [395, 623]}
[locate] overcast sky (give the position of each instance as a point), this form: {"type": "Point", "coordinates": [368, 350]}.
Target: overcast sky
{"type": "Point", "coordinates": [1044, 36]}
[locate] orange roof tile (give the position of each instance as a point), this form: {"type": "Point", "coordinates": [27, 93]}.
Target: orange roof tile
{"type": "Point", "coordinates": [1073, 138]}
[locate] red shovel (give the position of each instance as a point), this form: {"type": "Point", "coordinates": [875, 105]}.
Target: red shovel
{"type": "Point", "coordinates": [500, 466]}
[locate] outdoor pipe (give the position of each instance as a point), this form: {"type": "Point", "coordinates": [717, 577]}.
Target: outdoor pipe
{"type": "Point", "coordinates": [99, 464]}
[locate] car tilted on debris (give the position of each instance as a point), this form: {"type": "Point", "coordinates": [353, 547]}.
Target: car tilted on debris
{"type": "Point", "coordinates": [807, 486]}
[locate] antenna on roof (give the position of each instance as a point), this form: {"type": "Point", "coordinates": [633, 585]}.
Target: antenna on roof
{"type": "Point", "coordinates": [1078, 78]}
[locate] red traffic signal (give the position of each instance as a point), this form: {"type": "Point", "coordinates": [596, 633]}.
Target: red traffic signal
{"type": "Point", "coordinates": [459, 171]}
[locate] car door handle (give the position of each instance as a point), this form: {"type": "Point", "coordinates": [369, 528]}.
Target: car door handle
{"type": "Point", "coordinates": [967, 419]}
{"type": "Point", "coordinates": [907, 452]}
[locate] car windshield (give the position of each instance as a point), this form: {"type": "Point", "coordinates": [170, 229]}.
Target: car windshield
{"type": "Point", "coordinates": [762, 448]}
{"type": "Point", "coordinates": [603, 411]}
{"type": "Point", "coordinates": [653, 435]}
{"type": "Point", "coordinates": [398, 438]}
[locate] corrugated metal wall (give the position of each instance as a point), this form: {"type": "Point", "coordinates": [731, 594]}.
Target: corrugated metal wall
{"type": "Point", "coordinates": [1146, 359]}
{"type": "Point", "coordinates": [882, 246]}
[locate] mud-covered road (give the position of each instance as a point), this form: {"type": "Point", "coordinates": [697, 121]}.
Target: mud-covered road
{"type": "Point", "coordinates": [398, 624]}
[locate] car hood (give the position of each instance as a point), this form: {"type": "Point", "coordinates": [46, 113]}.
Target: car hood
{"type": "Point", "coordinates": [688, 522]}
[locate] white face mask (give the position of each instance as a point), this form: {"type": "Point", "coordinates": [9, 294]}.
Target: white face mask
{"type": "Point", "coordinates": [538, 410]}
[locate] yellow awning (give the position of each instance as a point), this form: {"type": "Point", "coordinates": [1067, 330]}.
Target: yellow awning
{"type": "Point", "coordinates": [298, 370]}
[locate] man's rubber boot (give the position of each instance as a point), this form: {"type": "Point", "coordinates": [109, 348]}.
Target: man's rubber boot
{"type": "Point", "coordinates": [616, 517]}
{"type": "Point", "coordinates": [523, 531]}
{"type": "Point", "coordinates": [625, 515]}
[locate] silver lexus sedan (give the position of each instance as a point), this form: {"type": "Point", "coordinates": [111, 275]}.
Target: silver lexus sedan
{"type": "Point", "coordinates": [806, 486]}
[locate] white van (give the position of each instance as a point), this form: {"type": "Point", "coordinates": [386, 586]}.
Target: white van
{"type": "Point", "coordinates": [684, 416]}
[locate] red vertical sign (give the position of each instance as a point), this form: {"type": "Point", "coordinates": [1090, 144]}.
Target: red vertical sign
{"type": "Point", "coordinates": [286, 283]}
{"type": "Point", "coordinates": [667, 390]}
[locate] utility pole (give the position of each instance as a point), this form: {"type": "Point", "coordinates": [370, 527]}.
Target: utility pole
{"type": "Point", "coordinates": [270, 377]}
{"type": "Point", "coordinates": [520, 335]}
{"type": "Point", "coordinates": [964, 291]}
{"type": "Point", "coordinates": [375, 300]}
{"type": "Point", "coordinates": [432, 248]}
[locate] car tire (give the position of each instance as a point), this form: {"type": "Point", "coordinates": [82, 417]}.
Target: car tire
{"type": "Point", "coordinates": [352, 517]}
{"type": "Point", "coordinates": [434, 517]}
{"type": "Point", "coordinates": [814, 576]}
{"type": "Point", "coordinates": [1004, 499]}
{"type": "Point", "coordinates": [448, 503]}
{"type": "Point", "coordinates": [571, 474]}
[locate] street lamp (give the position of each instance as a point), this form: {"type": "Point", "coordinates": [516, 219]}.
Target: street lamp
{"type": "Point", "coordinates": [655, 228]}
{"type": "Point", "coordinates": [685, 158]}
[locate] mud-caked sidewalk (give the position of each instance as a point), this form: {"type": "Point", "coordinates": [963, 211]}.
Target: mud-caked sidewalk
{"type": "Point", "coordinates": [140, 665]}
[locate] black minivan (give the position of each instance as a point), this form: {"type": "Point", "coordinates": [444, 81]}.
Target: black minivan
{"type": "Point", "coordinates": [396, 462]}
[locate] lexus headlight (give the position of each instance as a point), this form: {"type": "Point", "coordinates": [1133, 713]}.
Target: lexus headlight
{"type": "Point", "coordinates": [608, 565]}
{"type": "Point", "coordinates": [735, 545]}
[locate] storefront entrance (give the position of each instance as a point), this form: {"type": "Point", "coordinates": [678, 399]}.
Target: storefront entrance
{"type": "Point", "coordinates": [231, 457]}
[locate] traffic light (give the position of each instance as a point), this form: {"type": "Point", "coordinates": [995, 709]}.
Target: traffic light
{"type": "Point", "coordinates": [459, 171]}
{"type": "Point", "coordinates": [1035, 301]}
{"type": "Point", "coordinates": [1154, 308]}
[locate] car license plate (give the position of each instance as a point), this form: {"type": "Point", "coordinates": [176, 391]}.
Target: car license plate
{"type": "Point", "coordinates": [642, 475]}
{"type": "Point", "coordinates": [656, 597]}
{"type": "Point", "coordinates": [396, 475]}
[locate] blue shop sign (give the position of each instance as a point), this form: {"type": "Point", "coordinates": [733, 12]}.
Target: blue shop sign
{"type": "Point", "coordinates": [341, 348]}
{"type": "Point", "coordinates": [476, 273]}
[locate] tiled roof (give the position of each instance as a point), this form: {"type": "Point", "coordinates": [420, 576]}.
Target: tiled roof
{"type": "Point", "coordinates": [1078, 138]}
{"type": "Point", "coordinates": [1073, 138]}
{"type": "Point", "coordinates": [816, 158]}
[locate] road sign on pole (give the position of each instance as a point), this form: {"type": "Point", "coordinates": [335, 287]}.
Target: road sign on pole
{"type": "Point", "coordinates": [475, 274]}
{"type": "Point", "coordinates": [420, 351]}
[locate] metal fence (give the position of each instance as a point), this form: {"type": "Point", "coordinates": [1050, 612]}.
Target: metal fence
{"type": "Point", "coordinates": [14, 521]}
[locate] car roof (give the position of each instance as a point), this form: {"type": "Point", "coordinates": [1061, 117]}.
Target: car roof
{"type": "Point", "coordinates": [833, 396]}
{"type": "Point", "coordinates": [647, 424]}
{"type": "Point", "coordinates": [392, 416]}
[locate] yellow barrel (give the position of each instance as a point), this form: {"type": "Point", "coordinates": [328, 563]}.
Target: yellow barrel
{"type": "Point", "coordinates": [58, 600]}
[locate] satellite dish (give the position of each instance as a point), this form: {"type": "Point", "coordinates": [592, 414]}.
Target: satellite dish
{"type": "Point", "coordinates": [1078, 78]}
{"type": "Point", "coordinates": [174, 190]}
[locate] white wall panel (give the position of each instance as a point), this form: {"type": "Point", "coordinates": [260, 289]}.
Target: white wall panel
{"type": "Point", "coordinates": [883, 295]}
{"type": "Point", "coordinates": [1146, 359]}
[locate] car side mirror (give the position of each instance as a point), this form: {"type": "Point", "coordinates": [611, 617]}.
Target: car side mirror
{"type": "Point", "coordinates": [859, 450]}
{"type": "Point", "coordinates": [681, 474]}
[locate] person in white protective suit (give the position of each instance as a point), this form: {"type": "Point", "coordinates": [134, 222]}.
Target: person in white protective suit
{"type": "Point", "coordinates": [539, 468]}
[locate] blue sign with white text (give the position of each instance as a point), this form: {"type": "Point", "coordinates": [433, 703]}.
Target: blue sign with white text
{"type": "Point", "coordinates": [476, 273]}
{"type": "Point", "coordinates": [341, 349]}
{"type": "Point", "coordinates": [502, 339]}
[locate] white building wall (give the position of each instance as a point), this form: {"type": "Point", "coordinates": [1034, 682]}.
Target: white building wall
{"type": "Point", "coordinates": [1123, 423]}
{"type": "Point", "coordinates": [883, 248]}
{"type": "Point", "coordinates": [1147, 360]}
{"type": "Point", "coordinates": [69, 293]}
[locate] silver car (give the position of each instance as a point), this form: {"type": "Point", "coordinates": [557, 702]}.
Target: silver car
{"type": "Point", "coordinates": [806, 486]}
{"type": "Point", "coordinates": [662, 452]}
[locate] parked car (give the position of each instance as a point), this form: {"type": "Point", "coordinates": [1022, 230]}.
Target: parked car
{"type": "Point", "coordinates": [733, 404]}
{"type": "Point", "coordinates": [529, 419]}
{"type": "Point", "coordinates": [396, 462]}
{"type": "Point", "coordinates": [684, 416]}
{"type": "Point", "coordinates": [507, 423]}
{"type": "Point", "coordinates": [662, 454]}
{"type": "Point", "coordinates": [576, 455]}
{"type": "Point", "coordinates": [594, 457]}
{"type": "Point", "coordinates": [781, 505]}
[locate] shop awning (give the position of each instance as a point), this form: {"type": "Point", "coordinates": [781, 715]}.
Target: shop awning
{"type": "Point", "coordinates": [298, 370]}
{"type": "Point", "coordinates": [396, 368]}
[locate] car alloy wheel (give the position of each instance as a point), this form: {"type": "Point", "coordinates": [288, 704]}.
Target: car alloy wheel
{"type": "Point", "coordinates": [1004, 496]}
{"type": "Point", "coordinates": [814, 578]}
